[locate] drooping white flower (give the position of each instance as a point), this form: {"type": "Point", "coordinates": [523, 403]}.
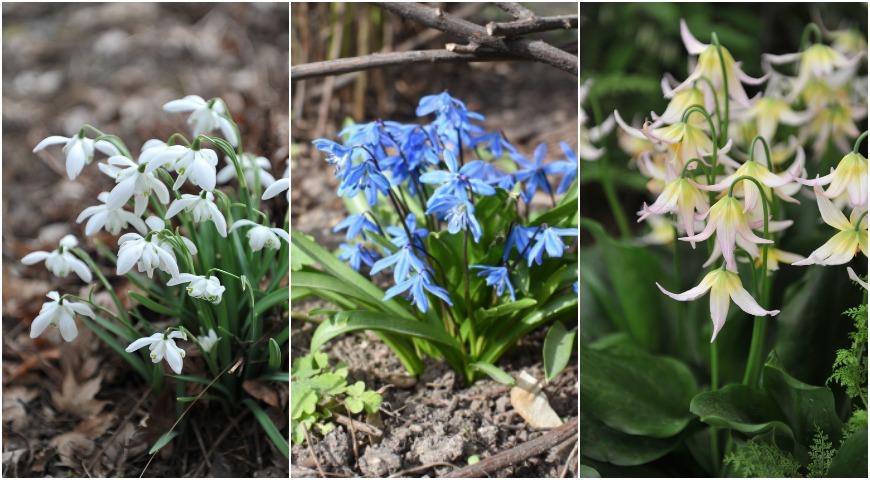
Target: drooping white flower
{"type": "Point", "coordinates": [162, 345]}
{"type": "Point", "coordinates": [207, 342]}
{"type": "Point", "coordinates": [79, 151]}
{"type": "Point", "coordinates": [202, 208]}
{"type": "Point", "coordinates": [133, 180]}
{"type": "Point", "coordinates": [260, 236]}
{"type": "Point", "coordinates": [149, 252]}
{"type": "Point", "coordinates": [850, 176]}
{"type": "Point", "coordinates": [252, 166]}
{"type": "Point", "coordinates": [279, 186]}
{"type": "Point", "coordinates": [61, 313]}
{"type": "Point", "coordinates": [61, 261]}
{"type": "Point", "coordinates": [845, 244]}
{"type": "Point", "coordinates": [723, 286]}
{"type": "Point", "coordinates": [207, 116]}
{"type": "Point", "coordinates": [194, 163]}
{"type": "Point", "coordinates": [206, 288]}
{"type": "Point", "coordinates": [112, 219]}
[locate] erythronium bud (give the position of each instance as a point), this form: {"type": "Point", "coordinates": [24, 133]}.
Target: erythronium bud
{"type": "Point", "coordinates": [723, 286]}
{"type": "Point", "coordinates": [206, 116]}
{"type": "Point", "coordinates": [727, 219]}
{"type": "Point", "coordinates": [61, 262]}
{"type": "Point", "coordinates": [260, 236]}
{"type": "Point", "coordinates": [206, 288]}
{"type": "Point", "coordinates": [850, 176]}
{"type": "Point", "coordinates": [112, 219]}
{"type": "Point", "coordinates": [202, 208]}
{"type": "Point", "coordinates": [843, 246]}
{"type": "Point", "coordinates": [162, 345]}
{"type": "Point", "coordinates": [61, 313]}
{"type": "Point", "coordinates": [79, 151]}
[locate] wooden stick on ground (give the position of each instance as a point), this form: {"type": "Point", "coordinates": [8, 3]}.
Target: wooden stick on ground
{"type": "Point", "coordinates": [519, 453]}
{"type": "Point", "coordinates": [532, 25]}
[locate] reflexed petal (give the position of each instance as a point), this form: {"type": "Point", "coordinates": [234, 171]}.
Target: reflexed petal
{"type": "Point", "coordinates": [830, 214]}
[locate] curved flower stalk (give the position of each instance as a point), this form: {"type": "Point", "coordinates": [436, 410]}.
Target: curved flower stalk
{"type": "Point", "coordinates": [260, 236]}
{"type": "Point", "coordinates": [79, 150]}
{"type": "Point", "coordinates": [202, 209]}
{"type": "Point", "coordinates": [162, 345]}
{"type": "Point", "coordinates": [724, 286]}
{"type": "Point", "coordinates": [61, 261]}
{"type": "Point", "coordinates": [206, 116]}
{"type": "Point", "coordinates": [61, 313]}
{"type": "Point", "coordinates": [112, 219]}
{"type": "Point", "coordinates": [843, 246]}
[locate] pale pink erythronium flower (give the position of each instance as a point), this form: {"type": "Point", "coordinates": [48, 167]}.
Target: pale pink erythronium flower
{"type": "Point", "coordinates": [850, 176]}
{"type": "Point", "coordinates": [816, 61]}
{"type": "Point", "coordinates": [728, 221]}
{"type": "Point", "coordinates": [61, 261]}
{"type": "Point", "coordinates": [855, 278]}
{"type": "Point", "coordinates": [162, 345]}
{"type": "Point", "coordinates": [845, 244]}
{"type": "Point", "coordinates": [724, 286]}
{"type": "Point", "coordinates": [680, 196]}
{"type": "Point", "coordinates": [59, 312]}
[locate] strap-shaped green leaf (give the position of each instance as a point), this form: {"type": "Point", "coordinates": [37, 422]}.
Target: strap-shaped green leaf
{"type": "Point", "coordinates": [152, 305]}
{"type": "Point", "coordinates": [163, 441]}
{"type": "Point", "coordinates": [278, 297]}
{"type": "Point", "coordinates": [558, 345]}
{"type": "Point", "coordinates": [494, 372]}
{"type": "Point", "coordinates": [274, 355]}
{"type": "Point", "coordinates": [506, 308]}
{"type": "Point", "coordinates": [355, 320]}
{"type": "Point", "coordinates": [271, 430]}
{"type": "Point", "coordinates": [537, 317]}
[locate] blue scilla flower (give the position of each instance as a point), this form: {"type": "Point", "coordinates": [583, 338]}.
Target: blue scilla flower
{"type": "Point", "coordinates": [455, 181]}
{"type": "Point", "coordinates": [458, 212]}
{"type": "Point", "coordinates": [494, 141]}
{"type": "Point", "coordinates": [355, 224]}
{"type": "Point", "coordinates": [355, 255]}
{"type": "Point", "coordinates": [447, 109]}
{"type": "Point", "coordinates": [497, 277]}
{"type": "Point", "coordinates": [534, 173]}
{"type": "Point", "coordinates": [568, 168]}
{"type": "Point", "coordinates": [338, 155]}
{"type": "Point", "coordinates": [371, 135]}
{"type": "Point", "coordinates": [549, 240]}
{"type": "Point", "coordinates": [399, 236]}
{"type": "Point", "coordinates": [417, 285]}
{"type": "Point", "coordinates": [576, 287]}
{"type": "Point", "coordinates": [402, 261]}
{"type": "Point", "coordinates": [490, 174]}
{"type": "Point", "coordinates": [519, 237]}
{"type": "Point", "coordinates": [366, 177]}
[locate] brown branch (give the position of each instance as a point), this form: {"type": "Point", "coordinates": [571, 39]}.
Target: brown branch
{"type": "Point", "coordinates": [519, 453]}
{"type": "Point", "coordinates": [532, 25]}
{"type": "Point", "coordinates": [357, 425]}
{"type": "Point", "coordinates": [537, 50]}
{"type": "Point", "coordinates": [380, 60]}
{"type": "Point", "coordinates": [515, 10]}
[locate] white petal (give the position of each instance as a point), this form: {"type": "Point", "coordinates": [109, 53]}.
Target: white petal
{"type": "Point", "coordinates": [67, 325]}
{"type": "Point", "coordinates": [80, 308]}
{"type": "Point", "coordinates": [173, 357]}
{"type": "Point", "coordinates": [34, 257]}
{"type": "Point", "coordinates": [122, 192]}
{"type": "Point", "coordinates": [186, 104]}
{"type": "Point", "coordinates": [43, 320]}
{"type": "Point", "coordinates": [52, 140]}
{"type": "Point", "coordinates": [80, 268]}
{"type": "Point", "coordinates": [217, 217]}
{"type": "Point", "coordinates": [276, 188]}
{"type": "Point", "coordinates": [693, 46]}
{"type": "Point", "coordinates": [136, 345]}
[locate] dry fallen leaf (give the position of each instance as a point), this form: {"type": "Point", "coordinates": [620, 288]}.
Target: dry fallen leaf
{"type": "Point", "coordinates": [78, 398]}
{"type": "Point", "coordinates": [14, 401]}
{"type": "Point", "coordinates": [261, 391]}
{"type": "Point", "coordinates": [531, 403]}
{"type": "Point", "coordinates": [72, 447]}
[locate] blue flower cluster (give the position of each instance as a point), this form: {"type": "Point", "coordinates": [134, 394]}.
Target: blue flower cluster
{"type": "Point", "coordinates": [383, 160]}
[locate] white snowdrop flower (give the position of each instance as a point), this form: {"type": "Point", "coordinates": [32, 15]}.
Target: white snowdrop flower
{"type": "Point", "coordinates": [132, 180]}
{"type": "Point", "coordinates": [147, 253]}
{"type": "Point", "coordinates": [162, 345]}
{"type": "Point", "coordinates": [279, 186]}
{"type": "Point", "coordinates": [207, 116]}
{"type": "Point", "coordinates": [196, 164]}
{"type": "Point", "coordinates": [202, 208]}
{"type": "Point", "coordinates": [112, 219]}
{"type": "Point", "coordinates": [61, 261]}
{"type": "Point", "coordinates": [260, 236]}
{"type": "Point", "coordinates": [251, 165]}
{"type": "Point", "coordinates": [79, 151]}
{"type": "Point", "coordinates": [206, 288]}
{"type": "Point", "coordinates": [207, 342]}
{"type": "Point", "coordinates": [61, 313]}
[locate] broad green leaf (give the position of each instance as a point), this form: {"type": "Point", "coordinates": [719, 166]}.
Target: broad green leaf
{"type": "Point", "coordinates": [851, 459]}
{"type": "Point", "coordinates": [741, 408]}
{"type": "Point", "coordinates": [271, 430]}
{"type": "Point", "coordinates": [637, 394]}
{"type": "Point", "coordinates": [298, 257]}
{"type": "Point", "coordinates": [494, 372]}
{"type": "Point", "coordinates": [506, 308]}
{"type": "Point", "coordinates": [608, 445]}
{"type": "Point", "coordinates": [162, 441]}
{"type": "Point", "coordinates": [588, 472]}
{"type": "Point", "coordinates": [558, 345]}
{"type": "Point", "coordinates": [806, 407]}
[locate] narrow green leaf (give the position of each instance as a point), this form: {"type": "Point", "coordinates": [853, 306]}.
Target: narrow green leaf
{"type": "Point", "coordinates": [133, 359]}
{"type": "Point", "coordinates": [558, 345]}
{"type": "Point", "coordinates": [356, 320]}
{"type": "Point", "coordinates": [278, 297]}
{"type": "Point", "coordinates": [203, 381]}
{"type": "Point", "coordinates": [274, 355]}
{"type": "Point", "coordinates": [162, 441]}
{"type": "Point", "coordinates": [494, 373]}
{"type": "Point", "coordinates": [152, 305]}
{"type": "Point", "coordinates": [271, 430]}
{"type": "Point", "coordinates": [506, 308]}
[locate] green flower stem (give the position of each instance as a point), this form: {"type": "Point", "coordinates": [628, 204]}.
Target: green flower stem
{"type": "Point", "coordinates": [177, 136]}
{"type": "Point", "coordinates": [858, 142]}
{"type": "Point", "coordinates": [612, 201]}
{"type": "Point", "coordinates": [723, 131]}
{"type": "Point", "coordinates": [468, 309]}
{"type": "Point", "coordinates": [122, 311]}
{"type": "Point", "coordinates": [810, 30]}
{"type": "Point", "coordinates": [756, 347]}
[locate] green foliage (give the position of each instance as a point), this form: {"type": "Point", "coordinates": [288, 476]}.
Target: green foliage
{"type": "Point", "coordinates": [850, 365]}
{"type": "Point", "coordinates": [821, 453]}
{"type": "Point", "coordinates": [760, 458]}
{"type": "Point", "coordinates": [316, 391]}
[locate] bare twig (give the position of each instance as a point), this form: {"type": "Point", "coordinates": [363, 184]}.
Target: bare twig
{"type": "Point", "coordinates": [532, 25]}
{"type": "Point", "coordinates": [460, 48]}
{"type": "Point", "coordinates": [537, 50]}
{"type": "Point", "coordinates": [357, 425]}
{"type": "Point", "coordinates": [515, 10]}
{"type": "Point", "coordinates": [421, 468]}
{"type": "Point", "coordinates": [312, 452]}
{"type": "Point", "coordinates": [518, 453]}
{"type": "Point", "coordinates": [571, 456]}
{"type": "Point", "coordinates": [352, 437]}
{"type": "Point", "coordinates": [380, 60]}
